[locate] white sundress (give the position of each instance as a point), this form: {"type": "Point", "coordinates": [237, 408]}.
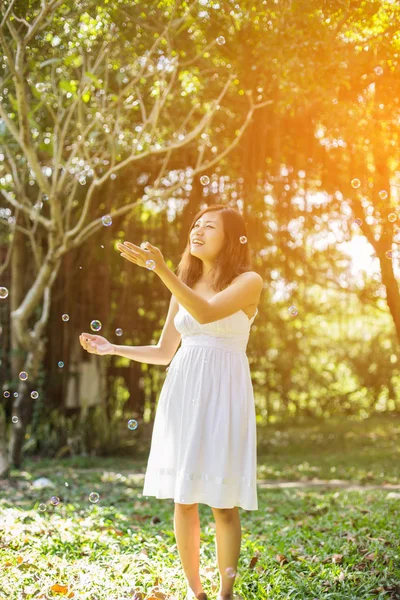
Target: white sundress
{"type": "Point", "coordinates": [204, 441]}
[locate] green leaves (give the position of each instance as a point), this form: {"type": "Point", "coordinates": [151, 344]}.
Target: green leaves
{"type": "Point", "coordinates": [74, 60]}
{"type": "Point", "coordinates": [70, 86]}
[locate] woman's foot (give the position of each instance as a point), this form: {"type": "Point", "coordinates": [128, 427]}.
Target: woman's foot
{"type": "Point", "coordinates": [191, 595]}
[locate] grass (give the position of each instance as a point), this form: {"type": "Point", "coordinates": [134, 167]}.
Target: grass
{"type": "Point", "coordinates": [304, 542]}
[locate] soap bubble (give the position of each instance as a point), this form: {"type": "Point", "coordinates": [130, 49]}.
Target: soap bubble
{"type": "Point", "coordinates": [6, 394]}
{"type": "Point", "coordinates": [378, 70]}
{"type": "Point", "coordinates": [150, 264]}
{"type": "Point", "coordinates": [60, 364]}
{"type": "Point", "coordinates": [132, 424]}
{"type": "Point", "coordinates": [243, 239]}
{"type": "Point", "coordinates": [94, 497]}
{"type": "Point", "coordinates": [383, 194]}
{"type": "Point", "coordinates": [392, 217]}
{"type": "Point", "coordinates": [34, 395]}
{"type": "Point", "coordinates": [220, 40]}
{"type": "Point", "coordinates": [357, 222]}
{"type": "Point", "coordinates": [42, 507]}
{"type": "Point", "coordinates": [3, 293]}
{"type": "Point", "coordinates": [204, 180]}
{"type": "Point", "coordinates": [23, 376]}
{"type": "Point", "coordinates": [65, 318]}
{"type": "Point", "coordinates": [106, 220]}
{"type": "Point", "coordinates": [389, 254]}
{"type": "Point", "coordinates": [118, 331]}
{"type": "Point", "coordinates": [95, 325]}
{"type": "Point", "coordinates": [355, 183]}
{"type": "Point", "coordinates": [41, 87]}
{"type": "Point", "coordinates": [15, 394]}
{"type": "Point", "coordinates": [293, 311]}
{"type": "Point", "coordinates": [55, 500]}
{"type": "Point", "coordinates": [14, 419]}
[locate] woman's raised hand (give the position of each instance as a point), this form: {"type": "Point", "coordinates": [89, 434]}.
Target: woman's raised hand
{"type": "Point", "coordinates": [96, 344]}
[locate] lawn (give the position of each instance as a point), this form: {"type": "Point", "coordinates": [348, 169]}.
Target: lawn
{"type": "Point", "coordinates": [327, 524]}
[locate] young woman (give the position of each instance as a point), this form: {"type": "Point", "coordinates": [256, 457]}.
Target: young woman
{"type": "Point", "coordinates": [203, 447]}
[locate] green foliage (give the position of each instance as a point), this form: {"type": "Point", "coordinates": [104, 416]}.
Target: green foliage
{"type": "Point", "coordinates": [90, 432]}
{"type": "Point", "coordinates": [330, 74]}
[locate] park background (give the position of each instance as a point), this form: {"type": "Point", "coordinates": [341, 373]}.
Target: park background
{"type": "Point", "coordinates": [118, 122]}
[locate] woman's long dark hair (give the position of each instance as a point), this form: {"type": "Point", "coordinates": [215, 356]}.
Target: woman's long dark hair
{"type": "Point", "coordinates": [233, 259]}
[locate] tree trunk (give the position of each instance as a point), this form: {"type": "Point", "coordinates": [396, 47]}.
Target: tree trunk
{"type": "Point", "coordinates": [17, 291]}
{"type": "Point", "coordinates": [23, 404]}
{"type": "Point", "coordinates": [4, 464]}
{"type": "Point", "coordinates": [30, 344]}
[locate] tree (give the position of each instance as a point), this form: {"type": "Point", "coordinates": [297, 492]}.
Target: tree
{"type": "Point", "coordinates": [89, 93]}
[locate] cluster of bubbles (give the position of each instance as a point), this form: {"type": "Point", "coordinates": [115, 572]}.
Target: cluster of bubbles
{"type": "Point", "coordinates": [95, 325]}
{"type": "Point", "coordinates": [106, 220]}
{"type": "Point", "coordinates": [150, 264]}
{"type": "Point", "coordinates": [392, 217]}
{"type": "Point", "coordinates": [383, 195]}
{"type": "Point", "coordinates": [355, 183]}
{"type": "Point", "coordinates": [55, 500]}
{"type": "Point", "coordinates": [3, 293]}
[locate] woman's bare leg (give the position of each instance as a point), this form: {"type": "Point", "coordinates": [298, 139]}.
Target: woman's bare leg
{"type": "Point", "coordinates": [227, 541]}
{"type": "Point", "coordinates": [187, 534]}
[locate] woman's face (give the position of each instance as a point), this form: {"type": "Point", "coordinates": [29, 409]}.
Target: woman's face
{"type": "Point", "coordinates": [209, 229]}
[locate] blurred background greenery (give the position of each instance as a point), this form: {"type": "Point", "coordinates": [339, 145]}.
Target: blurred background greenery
{"type": "Point", "coordinates": [291, 112]}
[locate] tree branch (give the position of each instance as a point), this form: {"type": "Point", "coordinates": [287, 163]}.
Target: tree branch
{"type": "Point", "coordinates": [20, 316]}
{"type": "Point", "coordinates": [95, 225]}
{"type": "Point", "coordinates": [41, 19]}
{"type": "Point", "coordinates": [42, 322]}
{"type": "Point", "coordinates": [9, 9]}
{"type": "Point", "coordinates": [28, 211]}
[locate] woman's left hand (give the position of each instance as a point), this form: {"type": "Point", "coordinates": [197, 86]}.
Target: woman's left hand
{"type": "Point", "coordinates": [140, 255]}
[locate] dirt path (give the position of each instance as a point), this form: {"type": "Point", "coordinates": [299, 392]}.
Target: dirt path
{"type": "Point", "coordinates": [330, 483]}
{"type": "Point", "coordinates": [278, 484]}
